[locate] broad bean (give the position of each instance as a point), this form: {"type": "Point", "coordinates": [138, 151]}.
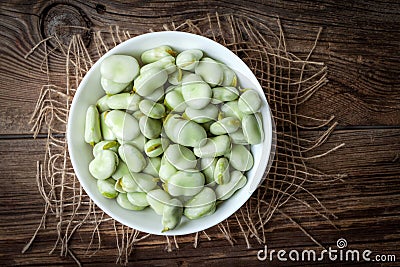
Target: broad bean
{"type": "Point", "coordinates": [157, 199]}
{"type": "Point", "coordinates": [221, 172]}
{"type": "Point", "coordinates": [132, 157]}
{"type": "Point", "coordinates": [208, 113]}
{"type": "Point", "coordinates": [188, 59]}
{"type": "Point", "coordinates": [214, 147]}
{"type": "Point", "coordinates": [154, 148]}
{"type": "Point", "coordinates": [146, 83]}
{"type": "Point", "coordinates": [167, 63]}
{"type": "Point", "coordinates": [252, 129]}
{"type": "Point", "coordinates": [157, 53]}
{"type": "Point", "coordinates": [208, 166]}
{"type": "Point", "coordinates": [92, 126]}
{"type": "Point", "coordinates": [225, 191]}
{"type": "Point", "coordinates": [106, 188]}
{"type": "Point", "coordinates": [240, 158]}
{"type": "Point", "coordinates": [105, 130]}
{"type": "Point", "coordinates": [227, 125]}
{"type": "Point", "coordinates": [249, 102]}
{"type": "Point", "coordinates": [111, 87]}
{"type": "Point", "coordinates": [123, 201]}
{"type": "Point", "coordinates": [121, 170]}
{"type": "Point", "coordinates": [196, 94]}
{"type": "Point", "coordinates": [224, 94]}
{"type": "Point", "coordinates": [104, 164]}
{"type": "Point", "coordinates": [119, 68]}
{"type": "Point", "coordinates": [103, 145]}
{"type": "Point", "coordinates": [149, 127]}
{"type": "Point", "coordinates": [172, 214]}
{"type": "Point", "coordinates": [153, 166]}
{"type": "Point", "coordinates": [138, 199]}
{"type": "Point", "coordinates": [210, 71]}
{"type": "Point", "coordinates": [166, 170]}
{"type": "Point", "coordinates": [123, 125]}
{"type": "Point", "coordinates": [202, 204]}
{"type": "Point", "coordinates": [128, 101]}
{"type": "Point", "coordinates": [152, 109]}
{"type": "Point", "coordinates": [185, 183]}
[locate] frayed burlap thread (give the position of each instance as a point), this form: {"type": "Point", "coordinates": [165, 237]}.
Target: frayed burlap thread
{"type": "Point", "coordinates": [287, 80]}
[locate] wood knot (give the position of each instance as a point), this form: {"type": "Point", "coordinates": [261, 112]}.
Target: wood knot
{"type": "Point", "coordinates": [101, 9]}
{"type": "Point", "coordinates": [65, 21]}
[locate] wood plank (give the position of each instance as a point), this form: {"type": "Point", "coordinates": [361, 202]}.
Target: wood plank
{"type": "Point", "coordinates": [358, 44]}
{"type": "Point", "coordinates": [366, 205]}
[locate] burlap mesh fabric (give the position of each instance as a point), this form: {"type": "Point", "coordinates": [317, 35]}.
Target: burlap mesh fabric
{"type": "Point", "coordinates": [287, 80]}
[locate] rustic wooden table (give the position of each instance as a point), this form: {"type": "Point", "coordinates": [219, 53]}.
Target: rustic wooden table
{"type": "Point", "coordinates": [360, 44]}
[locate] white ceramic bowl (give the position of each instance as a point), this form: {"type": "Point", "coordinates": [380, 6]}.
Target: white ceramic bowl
{"type": "Point", "coordinates": [81, 153]}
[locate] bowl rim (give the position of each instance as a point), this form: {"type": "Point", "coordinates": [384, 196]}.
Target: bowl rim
{"type": "Point", "coordinates": [265, 160]}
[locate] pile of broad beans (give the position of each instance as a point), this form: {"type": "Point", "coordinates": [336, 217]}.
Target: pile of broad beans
{"type": "Point", "coordinates": [173, 134]}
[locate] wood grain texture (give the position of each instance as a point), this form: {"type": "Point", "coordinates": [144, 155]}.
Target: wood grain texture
{"type": "Point", "coordinates": [360, 44]}
{"type": "Point", "coordinates": [366, 205]}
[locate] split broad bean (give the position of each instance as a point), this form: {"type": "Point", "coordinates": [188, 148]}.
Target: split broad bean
{"type": "Point", "coordinates": [173, 134]}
